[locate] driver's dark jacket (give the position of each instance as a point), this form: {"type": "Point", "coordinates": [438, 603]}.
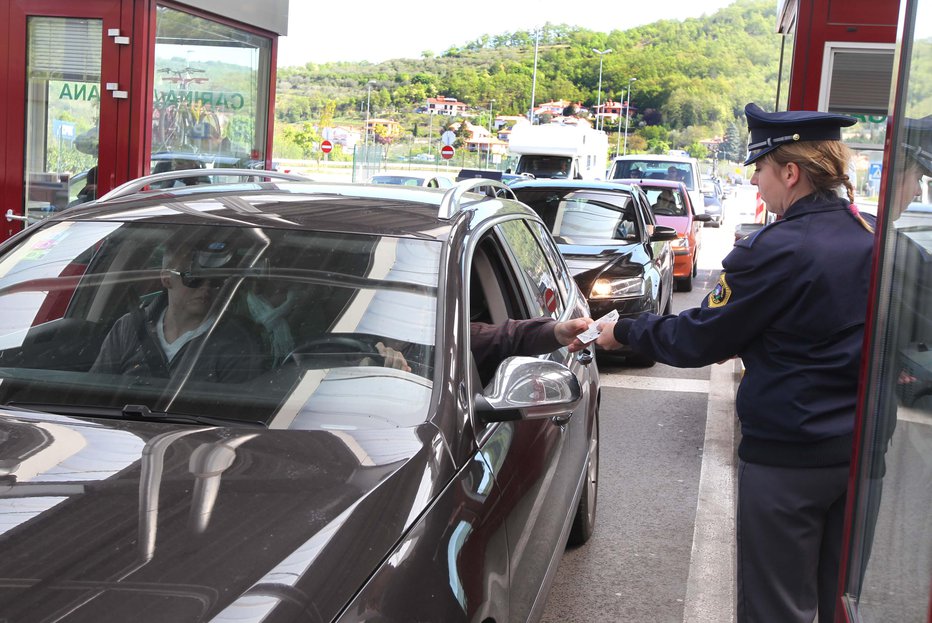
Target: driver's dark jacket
{"type": "Point", "coordinates": [132, 348]}
{"type": "Point", "coordinates": [791, 302]}
{"type": "Point", "coordinates": [491, 344]}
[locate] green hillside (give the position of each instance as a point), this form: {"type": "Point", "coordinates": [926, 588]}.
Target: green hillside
{"type": "Point", "coordinates": [693, 79]}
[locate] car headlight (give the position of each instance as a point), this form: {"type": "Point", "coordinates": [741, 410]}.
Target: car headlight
{"type": "Point", "coordinates": [617, 288]}
{"type": "Point", "coordinates": [680, 243]}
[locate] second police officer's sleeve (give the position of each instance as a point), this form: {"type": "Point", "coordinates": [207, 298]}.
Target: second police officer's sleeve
{"type": "Point", "coordinates": [754, 288]}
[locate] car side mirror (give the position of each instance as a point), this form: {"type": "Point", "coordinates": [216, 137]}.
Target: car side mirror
{"type": "Point", "coordinates": [702, 217]}
{"type": "Point", "coordinates": [527, 388]}
{"type": "Point", "coordinates": [663, 233]}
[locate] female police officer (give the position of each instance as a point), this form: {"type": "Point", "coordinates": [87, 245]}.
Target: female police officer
{"type": "Point", "coordinates": [791, 302]}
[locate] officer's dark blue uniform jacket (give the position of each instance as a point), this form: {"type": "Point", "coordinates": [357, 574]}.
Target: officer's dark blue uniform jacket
{"type": "Point", "coordinates": [791, 302]}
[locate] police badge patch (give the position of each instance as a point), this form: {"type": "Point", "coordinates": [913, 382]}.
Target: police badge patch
{"type": "Point", "coordinates": [720, 295]}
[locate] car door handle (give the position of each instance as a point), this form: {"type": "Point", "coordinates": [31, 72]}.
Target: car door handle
{"type": "Point", "coordinates": [584, 357]}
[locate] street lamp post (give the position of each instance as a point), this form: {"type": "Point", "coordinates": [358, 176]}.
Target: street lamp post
{"type": "Point", "coordinates": [366, 143]}
{"type": "Point", "coordinates": [488, 147]}
{"type": "Point", "coordinates": [601, 53]}
{"type": "Point", "coordinates": [627, 114]}
{"type": "Point", "coordinates": [530, 113]}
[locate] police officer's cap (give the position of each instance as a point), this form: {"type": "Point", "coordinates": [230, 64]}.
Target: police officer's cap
{"type": "Point", "coordinates": [769, 130]}
{"type": "Point", "coordinates": [918, 142]}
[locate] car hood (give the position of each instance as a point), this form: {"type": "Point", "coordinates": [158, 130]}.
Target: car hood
{"type": "Point", "coordinates": [135, 521]}
{"type": "Point", "coordinates": [679, 223]}
{"type": "Point", "coordinates": [586, 262]}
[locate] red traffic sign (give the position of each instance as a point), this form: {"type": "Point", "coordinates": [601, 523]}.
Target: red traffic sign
{"type": "Point", "coordinates": [326, 146]}
{"type": "Point", "coordinates": [550, 299]}
{"type": "Point", "coordinates": [446, 152]}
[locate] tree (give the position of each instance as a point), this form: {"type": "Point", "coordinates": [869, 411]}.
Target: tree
{"type": "Point", "coordinates": [733, 147]}
{"type": "Point", "coordinates": [305, 138]}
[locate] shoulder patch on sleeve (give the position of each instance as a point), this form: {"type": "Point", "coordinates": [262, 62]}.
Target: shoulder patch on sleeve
{"type": "Point", "coordinates": [719, 295]}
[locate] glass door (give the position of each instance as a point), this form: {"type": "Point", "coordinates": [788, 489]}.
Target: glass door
{"type": "Point", "coordinates": [70, 96]}
{"type": "Point", "coordinates": [62, 112]}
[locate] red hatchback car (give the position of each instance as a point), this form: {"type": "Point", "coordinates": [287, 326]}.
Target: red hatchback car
{"type": "Point", "coordinates": [672, 207]}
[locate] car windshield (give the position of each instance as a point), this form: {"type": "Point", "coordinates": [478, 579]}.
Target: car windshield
{"type": "Point", "coordinates": [283, 328]}
{"type": "Point", "coordinates": [544, 166]}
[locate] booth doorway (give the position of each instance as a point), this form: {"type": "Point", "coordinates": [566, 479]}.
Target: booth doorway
{"type": "Point", "coordinates": [70, 93]}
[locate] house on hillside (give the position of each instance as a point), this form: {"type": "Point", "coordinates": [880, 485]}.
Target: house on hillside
{"type": "Point", "coordinates": [506, 121]}
{"type": "Point", "coordinates": [448, 106]}
{"type": "Point", "coordinates": [482, 141]}
{"type": "Point", "coordinates": [390, 128]}
{"type": "Point", "coordinates": [346, 137]}
{"type": "Point", "coordinates": [556, 108]}
{"type": "Point", "coordinates": [609, 111]}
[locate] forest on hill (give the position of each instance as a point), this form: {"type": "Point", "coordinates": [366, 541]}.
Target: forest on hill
{"type": "Point", "coordinates": [693, 78]}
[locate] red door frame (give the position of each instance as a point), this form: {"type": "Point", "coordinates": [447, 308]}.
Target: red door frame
{"type": "Point", "coordinates": [114, 113]}
{"type": "Point", "coordinates": [821, 21]}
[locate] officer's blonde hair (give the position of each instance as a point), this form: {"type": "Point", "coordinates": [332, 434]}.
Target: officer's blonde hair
{"type": "Point", "coordinates": [825, 163]}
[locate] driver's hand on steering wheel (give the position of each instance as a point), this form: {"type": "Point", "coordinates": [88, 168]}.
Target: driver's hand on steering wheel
{"type": "Point", "coordinates": [392, 358]}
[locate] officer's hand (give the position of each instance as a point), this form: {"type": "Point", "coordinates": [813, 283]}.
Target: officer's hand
{"type": "Point", "coordinates": [606, 339]}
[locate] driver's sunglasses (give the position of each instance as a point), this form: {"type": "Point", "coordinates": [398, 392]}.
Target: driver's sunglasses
{"type": "Point", "coordinates": [188, 280]}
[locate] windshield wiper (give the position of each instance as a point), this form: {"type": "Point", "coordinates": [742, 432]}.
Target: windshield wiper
{"type": "Point", "coordinates": [140, 413]}
{"type": "Point", "coordinates": [144, 413]}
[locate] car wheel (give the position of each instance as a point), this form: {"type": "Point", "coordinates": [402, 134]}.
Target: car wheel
{"type": "Point", "coordinates": [584, 522]}
{"type": "Point", "coordinates": [695, 266]}
{"type": "Point", "coordinates": [685, 284]}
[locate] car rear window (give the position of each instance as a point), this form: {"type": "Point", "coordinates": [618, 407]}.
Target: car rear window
{"type": "Point", "coordinates": [650, 169]}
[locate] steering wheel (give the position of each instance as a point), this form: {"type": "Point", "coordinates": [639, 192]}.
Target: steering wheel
{"type": "Point", "coordinates": [335, 350]}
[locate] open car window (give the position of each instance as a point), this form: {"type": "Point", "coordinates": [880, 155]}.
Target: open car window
{"type": "Point", "coordinates": [291, 325]}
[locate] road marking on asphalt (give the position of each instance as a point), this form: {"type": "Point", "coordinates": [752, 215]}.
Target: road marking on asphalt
{"type": "Point", "coordinates": [710, 586]}
{"type": "Point", "coordinates": [653, 383]}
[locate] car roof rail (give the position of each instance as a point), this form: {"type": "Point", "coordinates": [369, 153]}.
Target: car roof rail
{"type": "Point", "coordinates": [452, 201]}
{"type": "Point", "coordinates": [134, 186]}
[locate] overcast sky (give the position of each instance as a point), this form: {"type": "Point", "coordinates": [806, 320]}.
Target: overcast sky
{"type": "Point", "coordinates": [367, 30]}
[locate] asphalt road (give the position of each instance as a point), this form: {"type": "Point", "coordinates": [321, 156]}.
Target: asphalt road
{"type": "Point", "coordinates": [649, 553]}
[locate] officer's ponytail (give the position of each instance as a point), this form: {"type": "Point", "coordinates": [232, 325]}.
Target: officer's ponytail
{"type": "Point", "coordinates": [825, 163]}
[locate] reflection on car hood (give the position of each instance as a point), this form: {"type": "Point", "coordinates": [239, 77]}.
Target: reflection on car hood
{"type": "Point", "coordinates": [593, 260]}
{"type": "Point", "coordinates": [133, 521]}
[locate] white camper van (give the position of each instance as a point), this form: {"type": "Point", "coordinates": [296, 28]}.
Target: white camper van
{"type": "Point", "coordinates": [559, 150]}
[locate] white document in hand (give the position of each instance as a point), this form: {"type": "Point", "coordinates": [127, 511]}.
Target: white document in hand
{"type": "Point", "coordinates": [594, 331]}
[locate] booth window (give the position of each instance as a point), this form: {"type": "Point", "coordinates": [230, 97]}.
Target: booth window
{"type": "Point", "coordinates": [211, 94]}
{"type": "Point", "coordinates": [889, 563]}
{"type": "Point", "coordinates": [62, 113]}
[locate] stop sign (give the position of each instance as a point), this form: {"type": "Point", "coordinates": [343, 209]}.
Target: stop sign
{"type": "Point", "coordinates": [326, 146]}
{"type": "Point", "coordinates": [446, 152]}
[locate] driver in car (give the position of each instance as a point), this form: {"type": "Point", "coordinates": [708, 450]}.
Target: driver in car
{"type": "Point", "coordinates": [666, 203]}
{"type": "Point", "coordinates": [178, 327]}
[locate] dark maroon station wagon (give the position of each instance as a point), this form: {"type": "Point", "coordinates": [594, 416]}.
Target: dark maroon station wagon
{"type": "Point", "coordinates": [320, 446]}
